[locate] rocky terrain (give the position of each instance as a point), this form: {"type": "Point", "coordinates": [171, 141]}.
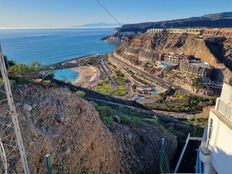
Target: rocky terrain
{"type": "Point", "coordinates": [218, 20]}
{"type": "Point", "coordinates": [211, 48]}
{"type": "Point", "coordinates": [54, 120]}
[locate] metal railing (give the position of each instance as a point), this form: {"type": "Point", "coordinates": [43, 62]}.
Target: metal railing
{"type": "Point", "coordinates": [224, 109]}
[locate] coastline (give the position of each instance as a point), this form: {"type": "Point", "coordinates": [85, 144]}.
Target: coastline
{"type": "Point", "coordinates": [88, 76]}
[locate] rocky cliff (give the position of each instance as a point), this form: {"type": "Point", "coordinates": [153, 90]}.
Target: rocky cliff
{"type": "Point", "coordinates": [56, 121]}
{"type": "Point", "coordinates": [211, 48]}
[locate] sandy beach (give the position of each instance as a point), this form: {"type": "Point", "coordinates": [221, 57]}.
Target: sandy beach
{"type": "Point", "coordinates": [89, 76]}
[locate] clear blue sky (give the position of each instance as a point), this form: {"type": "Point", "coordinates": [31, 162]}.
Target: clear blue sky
{"type": "Point", "coordinates": [68, 13]}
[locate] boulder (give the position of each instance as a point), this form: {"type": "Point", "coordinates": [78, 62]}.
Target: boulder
{"type": "Point", "coordinates": [116, 118]}
{"type": "Point", "coordinates": [27, 107]}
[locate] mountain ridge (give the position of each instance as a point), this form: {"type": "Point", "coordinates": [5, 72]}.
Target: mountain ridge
{"type": "Point", "coordinates": [216, 20]}
{"type": "Point", "coordinates": [97, 25]}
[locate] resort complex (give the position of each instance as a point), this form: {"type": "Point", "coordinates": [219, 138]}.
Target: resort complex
{"type": "Point", "coordinates": [185, 63]}
{"type": "Point", "coordinates": [141, 86]}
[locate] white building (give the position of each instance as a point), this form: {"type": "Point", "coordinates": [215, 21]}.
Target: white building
{"type": "Point", "coordinates": [177, 30]}
{"type": "Point", "coordinates": [215, 152]}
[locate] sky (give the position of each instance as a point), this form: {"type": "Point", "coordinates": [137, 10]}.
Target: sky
{"type": "Point", "coordinates": [69, 13]}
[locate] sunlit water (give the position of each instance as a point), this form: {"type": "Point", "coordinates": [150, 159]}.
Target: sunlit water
{"type": "Point", "coordinates": [49, 46]}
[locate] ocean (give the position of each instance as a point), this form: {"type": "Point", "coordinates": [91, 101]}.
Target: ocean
{"type": "Point", "coordinates": [49, 46]}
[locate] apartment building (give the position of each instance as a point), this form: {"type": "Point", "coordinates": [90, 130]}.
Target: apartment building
{"type": "Point", "coordinates": [215, 152]}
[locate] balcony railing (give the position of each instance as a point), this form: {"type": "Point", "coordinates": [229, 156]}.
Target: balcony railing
{"type": "Point", "coordinates": [224, 109]}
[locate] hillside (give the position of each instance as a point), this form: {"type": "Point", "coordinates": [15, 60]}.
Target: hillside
{"type": "Point", "coordinates": [209, 47]}
{"type": "Point", "coordinates": [218, 20]}
{"type": "Point", "coordinates": [56, 121]}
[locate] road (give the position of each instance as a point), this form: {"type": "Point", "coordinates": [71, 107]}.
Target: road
{"type": "Point", "coordinates": [76, 62]}
{"type": "Point", "coordinates": [145, 75]}
{"type": "Point", "coordinates": [108, 73]}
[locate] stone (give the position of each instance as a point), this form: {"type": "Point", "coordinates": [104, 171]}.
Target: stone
{"type": "Point", "coordinates": [116, 118]}
{"type": "Point", "coordinates": [59, 118]}
{"type": "Point", "coordinates": [68, 151]}
{"type": "Point", "coordinates": [27, 107]}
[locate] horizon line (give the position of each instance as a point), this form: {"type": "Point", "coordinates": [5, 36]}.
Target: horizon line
{"type": "Point", "coordinates": [40, 28]}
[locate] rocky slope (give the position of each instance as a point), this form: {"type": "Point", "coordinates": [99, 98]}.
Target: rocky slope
{"type": "Point", "coordinates": [218, 20]}
{"type": "Point", "coordinates": [54, 120]}
{"type": "Point", "coordinates": [216, 50]}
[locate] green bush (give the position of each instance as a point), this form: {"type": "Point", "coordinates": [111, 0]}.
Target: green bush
{"type": "Point", "coordinates": [104, 111]}
{"type": "Point", "coordinates": [47, 82]}
{"type": "Point", "coordinates": [19, 70]}
{"type": "Point", "coordinates": [106, 114]}
{"type": "Point", "coordinates": [109, 122]}
{"type": "Point", "coordinates": [25, 70]}
{"type": "Point", "coordinates": [80, 93]}
{"type": "Point", "coordinates": [127, 116]}
{"type": "Point", "coordinates": [11, 62]}
{"type": "Point", "coordinates": [130, 120]}
{"type": "Point", "coordinates": [104, 87]}
{"type": "Point", "coordinates": [182, 102]}
{"type": "Point", "coordinates": [122, 84]}
{"type": "Point", "coordinates": [119, 73]}
{"type": "Point", "coordinates": [197, 82]}
{"type": "Point", "coordinates": [119, 92]}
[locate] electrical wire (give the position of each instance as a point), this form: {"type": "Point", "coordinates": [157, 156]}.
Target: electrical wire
{"type": "Point", "coordinates": [107, 11]}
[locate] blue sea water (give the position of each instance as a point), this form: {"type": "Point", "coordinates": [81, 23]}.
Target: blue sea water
{"type": "Point", "coordinates": [53, 45]}
{"type": "Point", "coordinates": [49, 46]}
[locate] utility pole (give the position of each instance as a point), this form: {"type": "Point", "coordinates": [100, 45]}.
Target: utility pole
{"type": "Point", "coordinates": [13, 114]}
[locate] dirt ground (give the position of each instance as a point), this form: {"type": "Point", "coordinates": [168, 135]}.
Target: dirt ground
{"type": "Point", "coordinates": [56, 121]}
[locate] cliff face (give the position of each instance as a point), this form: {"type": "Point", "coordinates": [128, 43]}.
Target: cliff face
{"type": "Point", "coordinates": [55, 121]}
{"type": "Point", "coordinates": [216, 50]}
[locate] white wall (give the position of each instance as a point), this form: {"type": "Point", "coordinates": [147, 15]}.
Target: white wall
{"type": "Point", "coordinates": [226, 95]}
{"type": "Point", "coordinates": [220, 145]}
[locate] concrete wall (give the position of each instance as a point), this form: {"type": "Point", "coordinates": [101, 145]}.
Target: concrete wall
{"type": "Point", "coordinates": [220, 133]}
{"type": "Point", "coordinates": [220, 145]}
{"type": "Point", "coordinates": [226, 95]}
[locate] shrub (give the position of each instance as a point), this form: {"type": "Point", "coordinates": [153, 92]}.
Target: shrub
{"type": "Point", "coordinates": [11, 62]}
{"type": "Point", "coordinates": [130, 120]}
{"type": "Point", "coordinates": [25, 70]}
{"type": "Point", "coordinates": [19, 70]}
{"type": "Point", "coordinates": [80, 93]}
{"type": "Point", "coordinates": [197, 82]}
{"type": "Point", "coordinates": [35, 66]}
{"type": "Point", "coordinates": [119, 73]}
{"type": "Point", "coordinates": [109, 122]}
{"type": "Point", "coordinates": [120, 92]}
{"type": "Point", "coordinates": [104, 111]}
{"type": "Point", "coordinates": [47, 82]}
{"type": "Point", "coordinates": [104, 87]}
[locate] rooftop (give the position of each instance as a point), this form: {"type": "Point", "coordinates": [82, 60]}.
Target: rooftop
{"type": "Point", "coordinates": [200, 64]}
